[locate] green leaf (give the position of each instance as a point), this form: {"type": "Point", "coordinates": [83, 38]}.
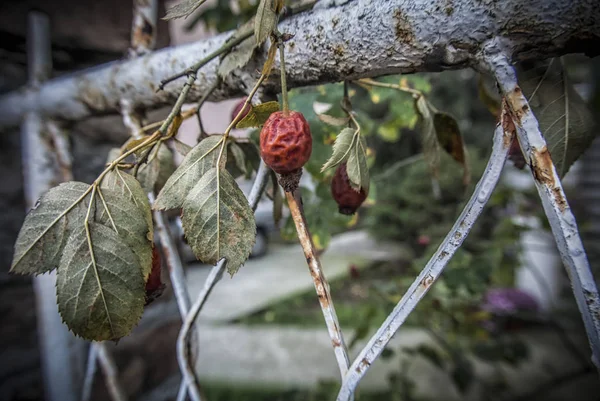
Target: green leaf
{"type": "Point", "coordinates": [431, 146]}
{"type": "Point", "coordinates": [157, 171]}
{"type": "Point", "coordinates": [200, 159]}
{"type": "Point", "coordinates": [124, 207]}
{"type": "Point", "coordinates": [258, 115]}
{"type": "Point", "coordinates": [450, 138]}
{"type": "Point", "coordinates": [218, 221]}
{"type": "Point", "coordinates": [564, 118]}
{"type": "Point", "coordinates": [239, 157]}
{"type": "Point", "coordinates": [99, 287]}
{"type": "Point", "coordinates": [342, 148]}
{"type": "Point", "coordinates": [47, 227]}
{"type": "Point", "coordinates": [265, 22]}
{"type": "Point", "coordinates": [183, 9]}
{"type": "Point", "coordinates": [358, 171]}
{"type": "Point", "coordinates": [238, 57]}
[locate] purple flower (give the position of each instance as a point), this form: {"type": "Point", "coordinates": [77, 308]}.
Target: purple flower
{"type": "Point", "coordinates": [506, 301]}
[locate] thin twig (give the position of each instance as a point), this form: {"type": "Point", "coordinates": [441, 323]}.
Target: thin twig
{"type": "Point", "coordinates": [231, 43]}
{"type": "Point", "coordinates": [372, 82]}
{"type": "Point", "coordinates": [321, 285]}
{"type": "Point", "coordinates": [434, 267]}
{"type": "Point", "coordinates": [554, 201]}
{"type": "Point", "coordinates": [183, 340]}
{"type": "Point", "coordinates": [192, 70]}
{"type": "Point", "coordinates": [109, 368]}
{"type": "Point", "coordinates": [90, 372]}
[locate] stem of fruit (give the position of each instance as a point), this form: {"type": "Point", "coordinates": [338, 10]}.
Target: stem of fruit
{"type": "Point", "coordinates": [284, 91]}
{"type": "Point", "coordinates": [321, 285]}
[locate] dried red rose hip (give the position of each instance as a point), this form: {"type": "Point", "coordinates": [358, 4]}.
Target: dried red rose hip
{"type": "Point", "coordinates": [238, 108]}
{"type": "Point", "coordinates": [347, 198]}
{"type": "Point", "coordinates": [285, 142]}
{"type": "Point", "coordinates": [154, 286]}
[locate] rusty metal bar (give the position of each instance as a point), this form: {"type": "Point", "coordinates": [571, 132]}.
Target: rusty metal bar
{"type": "Point", "coordinates": [110, 371]}
{"type": "Point", "coordinates": [554, 201]}
{"type": "Point", "coordinates": [435, 266]}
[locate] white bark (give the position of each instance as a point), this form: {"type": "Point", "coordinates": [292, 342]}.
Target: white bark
{"type": "Point", "coordinates": [337, 40]}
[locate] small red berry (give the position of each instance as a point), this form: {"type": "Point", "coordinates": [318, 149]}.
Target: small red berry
{"type": "Point", "coordinates": [347, 198]}
{"type": "Point", "coordinates": [238, 108]}
{"type": "Point", "coordinates": [285, 142]}
{"type": "Point", "coordinates": [154, 286]}
{"type": "Point", "coordinates": [423, 240]}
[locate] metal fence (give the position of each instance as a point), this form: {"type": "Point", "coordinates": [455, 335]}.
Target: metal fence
{"type": "Point", "coordinates": [44, 145]}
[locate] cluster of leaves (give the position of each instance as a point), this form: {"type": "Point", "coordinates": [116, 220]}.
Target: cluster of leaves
{"type": "Point", "coordinates": [99, 238]}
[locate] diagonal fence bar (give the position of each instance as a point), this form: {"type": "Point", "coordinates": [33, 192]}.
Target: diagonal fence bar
{"type": "Point", "coordinates": [561, 219]}
{"type": "Point", "coordinates": [434, 268]}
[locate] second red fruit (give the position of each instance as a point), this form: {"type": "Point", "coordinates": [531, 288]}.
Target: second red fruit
{"type": "Point", "coordinates": [347, 198]}
{"type": "Point", "coordinates": [238, 108]}
{"type": "Point", "coordinates": [285, 141]}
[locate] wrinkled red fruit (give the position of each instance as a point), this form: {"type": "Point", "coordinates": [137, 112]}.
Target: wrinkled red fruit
{"type": "Point", "coordinates": [154, 286]}
{"type": "Point", "coordinates": [516, 155]}
{"type": "Point", "coordinates": [347, 198]}
{"type": "Point", "coordinates": [285, 142]}
{"type": "Point", "coordinates": [238, 108]}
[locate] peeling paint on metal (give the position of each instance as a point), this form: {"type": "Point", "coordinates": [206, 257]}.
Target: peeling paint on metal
{"type": "Point", "coordinates": [544, 173]}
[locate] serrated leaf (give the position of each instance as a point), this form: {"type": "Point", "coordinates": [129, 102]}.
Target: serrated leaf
{"type": "Point", "coordinates": [431, 146]}
{"type": "Point", "coordinates": [258, 114]}
{"type": "Point", "coordinates": [238, 156]}
{"type": "Point", "coordinates": [100, 297]}
{"type": "Point", "coordinates": [342, 148]}
{"type": "Point", "coordinates": [564, 118]}
{"type": "Point", "coordinates": [333, 121]}
{"type": "Point", "coordinates": [47, 227]}
{"type": "Point", "coordinates": [265, 21]}
{"type": "Point", "coordinates": [200, 159]}
{"type": "Point", "coordinates": [183, 9]}
{"type": "Point", "coordinates": [356, 166]}
{"type": "Point", "coordinates": [450, 138]}
{"type": "Point", "coordinates": [154, 174]}
{"type": "Point", "coordinates": [218, 221]}
{"type": "Point", "coordinates": [128, 214]}
{"type": "Point", "coordinates": [237, 58]}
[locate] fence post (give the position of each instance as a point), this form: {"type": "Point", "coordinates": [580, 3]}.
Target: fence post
{"type": "Point", "coordinates": [62, 354]}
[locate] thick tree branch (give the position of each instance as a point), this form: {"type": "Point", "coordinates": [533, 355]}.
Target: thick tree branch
{"type": "Point", "coordinates": [352, 40]}
{"type": "Point", "coordinates": [554, 201]}
{"type": "Point", "coordinates": [434, 268]}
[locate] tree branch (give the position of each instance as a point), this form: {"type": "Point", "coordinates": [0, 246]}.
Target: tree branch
{"type": "Point", "coordinates": [335, 41]}
{"type": "Point", "coordinates": [319, 280]}
{"type": "Point", "coordinates": [549, 187]}
{"type": "Point", "coordinates": [435, 266]}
